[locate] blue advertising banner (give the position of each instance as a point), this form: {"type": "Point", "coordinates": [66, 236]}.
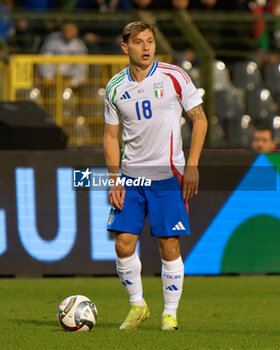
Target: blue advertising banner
{"type": "Point", "coordinates": [54, 211]}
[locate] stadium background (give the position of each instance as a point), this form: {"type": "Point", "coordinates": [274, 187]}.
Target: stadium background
{"type": "Point", "coordinates": [48, 228]}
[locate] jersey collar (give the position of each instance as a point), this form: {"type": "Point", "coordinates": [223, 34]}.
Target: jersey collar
{"type": "Point", "coordinates": [151, 72]}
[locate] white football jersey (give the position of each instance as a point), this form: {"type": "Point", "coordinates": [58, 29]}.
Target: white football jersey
{"type": "Point", "coordinates": [151, 112]}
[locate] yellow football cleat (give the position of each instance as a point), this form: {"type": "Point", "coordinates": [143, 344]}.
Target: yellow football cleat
{"type": "Point", "coordinates": [135, 315]}
{"type": "Point", "coordinates": [169, 323]}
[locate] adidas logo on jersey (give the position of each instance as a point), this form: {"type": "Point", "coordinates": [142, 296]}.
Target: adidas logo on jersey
{"type": "Point", "coordinates": [178, 227]}
{"type": "Point", "coordinates": [125, 96]}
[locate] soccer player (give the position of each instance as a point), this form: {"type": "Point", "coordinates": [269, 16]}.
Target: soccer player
{"type": "Point", "coordinates": [148, 97]}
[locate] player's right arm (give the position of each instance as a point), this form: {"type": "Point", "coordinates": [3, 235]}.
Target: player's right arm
{"type": "Point", "coordinates": [112, 156]}
{"type": "Point", "coordinates": [111, 145]}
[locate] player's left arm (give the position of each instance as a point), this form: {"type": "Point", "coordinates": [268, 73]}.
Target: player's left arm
{"type": "Point", "coordinates": [191, 174]}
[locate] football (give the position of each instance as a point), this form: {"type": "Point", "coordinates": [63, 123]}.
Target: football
{"type": "Point", "coordinates": [77, 313]}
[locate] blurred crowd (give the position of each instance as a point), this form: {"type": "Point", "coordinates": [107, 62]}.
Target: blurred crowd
{"type": "Point", "coordinates": [27, 36]}
{"type": "Point", "coordinates": [248, 91]}
{"type": "Point", "coordinates": [113, 5]}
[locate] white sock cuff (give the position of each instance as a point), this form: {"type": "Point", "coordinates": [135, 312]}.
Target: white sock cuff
{"type": "Point", "coordinates": [172, 266]}
{"type": "Point", "coordinates": [128, 261]}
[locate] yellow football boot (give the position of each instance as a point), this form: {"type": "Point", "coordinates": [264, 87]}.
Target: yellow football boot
{"type": "Point", "coordinates": [169, 323]}
{"type": "Point", "coordinates": [135, 316]}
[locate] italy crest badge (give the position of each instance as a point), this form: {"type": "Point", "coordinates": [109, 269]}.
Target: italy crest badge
{"type": "Point", "coordinates": [111, 218]}
{"type": "Point", "coordinates": [158, 88]}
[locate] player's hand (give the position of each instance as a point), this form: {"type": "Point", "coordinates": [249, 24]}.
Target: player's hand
{"type": "Point", "coordinates": [191, 180]}
{"type": "Point", "coordinates": [116, 196]}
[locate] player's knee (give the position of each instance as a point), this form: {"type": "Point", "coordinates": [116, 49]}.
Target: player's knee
{"type": "Point", "coordinates": [170, 254]}
{"type": "Point", "coordinates": [124, 248]}
{"type": "Point", "coordinates": [169, 251]}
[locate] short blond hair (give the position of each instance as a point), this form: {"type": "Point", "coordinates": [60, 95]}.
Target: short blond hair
{"type": "Point", "coordinates": [135, 28]}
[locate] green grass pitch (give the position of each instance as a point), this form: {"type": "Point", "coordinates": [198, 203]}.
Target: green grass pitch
{"type": "Point", "coordinates": [215, 313]}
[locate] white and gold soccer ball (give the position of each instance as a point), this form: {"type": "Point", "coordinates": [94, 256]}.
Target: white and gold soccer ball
{"type": "Point", "coordinates": [77, 313]}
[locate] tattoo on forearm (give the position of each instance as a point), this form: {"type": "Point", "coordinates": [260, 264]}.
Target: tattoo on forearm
{"type": "Point", "coordinates": [196, 113]}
